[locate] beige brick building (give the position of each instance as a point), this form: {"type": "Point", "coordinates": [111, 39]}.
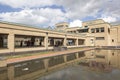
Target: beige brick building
{"type": "Point", "coordinates": [114, 34]}
{"type": "Point", "coordinates": [21, 38]}
{"type": "Point", "coordinates": [98, 32]}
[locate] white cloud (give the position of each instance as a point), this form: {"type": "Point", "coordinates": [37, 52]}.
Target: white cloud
{"type": "Point", "coordinates": [109, 19]}
{"type": "Point", "coordinates": [76, 23]}
{"type": "Point", "coordinates": [80, 9]}
{"type": "Point", "coordinates": [39, 17]}
{"type": "Point", "coordinates": [73, 10]}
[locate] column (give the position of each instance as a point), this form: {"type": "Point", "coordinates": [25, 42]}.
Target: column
{"type": "Point", "coordinates": [76, 42]}
{"type": "Point", "coordinates": [46, 41]}
{"type": "Point", "coordinates": [11, 42]}
{"type": "Point", "coordinates": [77, 55]}
{"type": "Point", "coordinates": [46, 62]}
{"type": "Point", "coordinates": [11, 73]}
{"type": "Point", "coordinates": [65, 41]}
{"type": "Point", "coordinates": [65, 59]}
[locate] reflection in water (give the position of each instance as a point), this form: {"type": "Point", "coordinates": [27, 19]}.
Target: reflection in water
{"type": "Point", "coordinates": [93, 66]}
{"type": "Point", "coordinates": [81, 73]}
{"type": "Point", "coordinates": [3, 74]}
{"type": "Point", "coordinates": [109, 57]}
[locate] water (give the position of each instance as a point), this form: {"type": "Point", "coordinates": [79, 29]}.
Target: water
{"type": "Point", "coordinates": [81, 73]}
{"type": "Point", "coordinates": [90, 65]}
{"type": "Point", "coordinates": [86, 72]}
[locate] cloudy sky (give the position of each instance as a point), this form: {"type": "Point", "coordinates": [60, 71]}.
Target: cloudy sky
{"type": "Point", "coordinates": [45, 13]}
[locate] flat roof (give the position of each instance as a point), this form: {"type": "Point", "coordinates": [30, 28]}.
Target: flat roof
{"type": "Point", "coordinates": [27, 25]}
{"type": "Point", "coordinates": [93, 20]}
{"type": "Point", "coordinates": [34, 27]}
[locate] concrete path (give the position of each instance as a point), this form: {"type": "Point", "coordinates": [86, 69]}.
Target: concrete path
{"type": "Point", "coordinates": [15, 60]}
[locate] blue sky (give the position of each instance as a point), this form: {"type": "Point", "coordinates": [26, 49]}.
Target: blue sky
{"type": "Point", "coordinates": [6, 8]}
{"type": "Point", "coordinates": [43, 13]}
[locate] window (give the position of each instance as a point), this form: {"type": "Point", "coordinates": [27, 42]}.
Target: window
{"type": "Point", "coordinates": [112, 40]}
{"type": "Point", "coordinates": [83, 30]}
{"type": "Point", "coordinates": [108, 30]}
{"type": "Point", "coordinates": [3, 40]}
{"type": "Point", "coordinates": [92, 30]}
{"type": "Point", "coordinates": [97, 30]}
{"type": "Point", "coordinates": [100, 38]}
{"type": "Point", "coordinates": [100, 56]}
{"type": "Point", "coordinates": [113, 53]}
{"type": "Point", "coordinates": [86, 26]}
{"type": "Point", "coordinates": [92, 41]}
{"type": "Point", "coordinates": [60, 26]}
{"type": "Point", "coordinates": [102, 29]}
{"type": "Point", "coordinates": [66, 25]}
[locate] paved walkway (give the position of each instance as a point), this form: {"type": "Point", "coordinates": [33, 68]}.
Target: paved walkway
{"type": "Point", "coordinates": [15, 60]}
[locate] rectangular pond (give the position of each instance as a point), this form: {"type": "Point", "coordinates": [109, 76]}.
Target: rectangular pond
{"type": "Point", "coordinates": [85, 65]}
{"type": "Point", "coordinates": [95, 65]}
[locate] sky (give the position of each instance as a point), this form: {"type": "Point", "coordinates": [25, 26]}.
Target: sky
{"type": "Point", "coordinates": [44, 13]}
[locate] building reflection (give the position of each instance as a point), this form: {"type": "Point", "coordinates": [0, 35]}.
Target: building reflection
{"type": "Point", "coordinates": [110, 57]}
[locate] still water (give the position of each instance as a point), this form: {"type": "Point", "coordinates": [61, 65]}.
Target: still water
{"type": "Point", "coordinates": [96, 65]}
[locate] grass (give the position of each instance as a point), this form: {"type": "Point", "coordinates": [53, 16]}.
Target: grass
{"type": "Point", "coordinates": [25, 55]}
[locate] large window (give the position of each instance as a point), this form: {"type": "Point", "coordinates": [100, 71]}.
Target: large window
{"type": "Point", "coordinates": [81, 41]}
{"type": "Point", "coordinates": [102, 29]}
{"type": "Point", "coordinates": [28, 41]}
{"type": "Point", "coordinates": [3, 40]}
{"type": "Point", "coordinates": [83, 30]}
{"type": "Point", "coordinates": [97, 30]}
{"type": "Point", "coordinates": [100, 38]}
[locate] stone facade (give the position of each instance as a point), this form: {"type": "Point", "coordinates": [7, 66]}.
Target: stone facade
{"type": "Point", "coordinates": [19, 38]}
{"type": "Point", "coordinates": [101, 32]}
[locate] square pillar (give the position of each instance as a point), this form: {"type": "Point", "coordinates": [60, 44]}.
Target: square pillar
{"type": "Point", "coordinates": [77, 55]}
{"type": "Point", "coordinates": [11, 73]}
{"type": "Point", "coordinates": [46, 41]}
{"type": "Point", "coordinates": [76, 42]}
{"type": "Point", "coordinates": [11, 42]}
{"type": "Point", "coordinates": [65, 41]}
{"type": "Point", "coordinates": [65, 58]}
{"type": "Point", "coordinates": [46, 63]}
